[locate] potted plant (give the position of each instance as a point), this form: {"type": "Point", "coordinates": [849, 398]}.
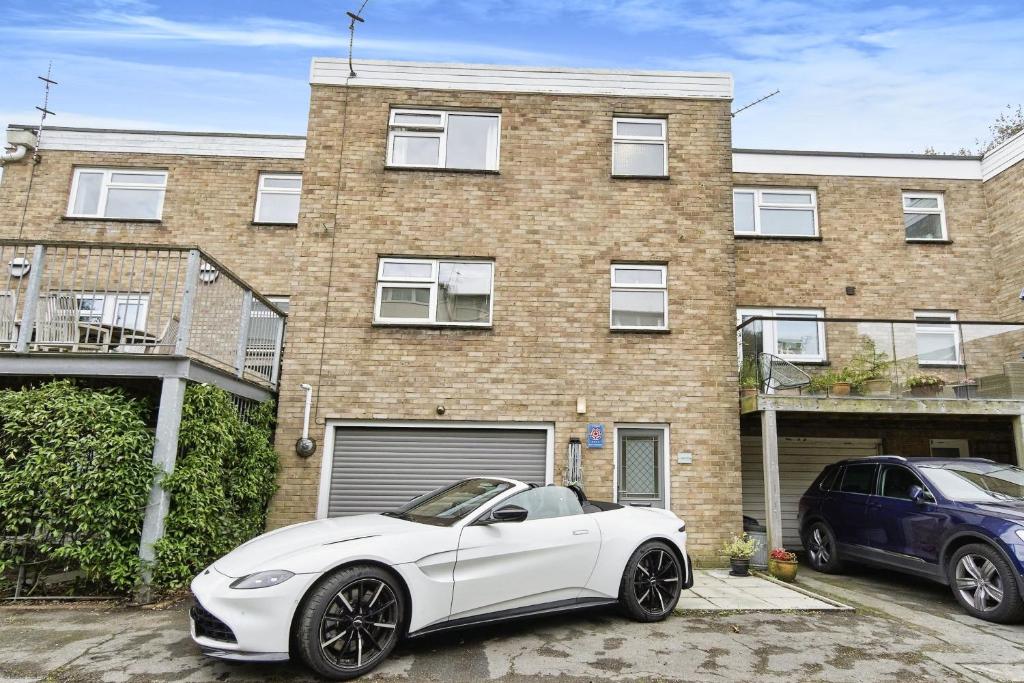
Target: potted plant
{"type": "Point", "coordinates": [966, 389]}
{"type": "Point", "coordinates": [925, 386]}
{"type": "Point", "coordinates": [782, 565]}
{"type": "Point", "coordinates": [749, 382]}
{"type": "Point", "coordinates": [740, 549]}
{"type": "Point", "coordinates": [832, 382]}
{"type": "Point", "coordinates": [871, 369]}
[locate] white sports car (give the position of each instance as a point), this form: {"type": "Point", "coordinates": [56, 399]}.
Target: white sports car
{"type": "Point", "coordinates": [340, 593]}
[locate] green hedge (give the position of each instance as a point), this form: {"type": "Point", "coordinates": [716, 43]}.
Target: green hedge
{"type": "Point", "coordinates": [76, 469]}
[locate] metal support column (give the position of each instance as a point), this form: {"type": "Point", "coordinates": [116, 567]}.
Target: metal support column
{"type": "Point", "coordinates": [1018, 439]}
{"type": "Point", "coordinates": [243, 332]}
{"type": "Point", "coordinates": [28, 313]}
{"type": "Point", "coordinates": [772, 493]}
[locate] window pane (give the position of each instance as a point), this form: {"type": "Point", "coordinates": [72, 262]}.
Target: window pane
{"type": "Point", "coordinates": [279, 208]}
{"type": "Point", "coordinates": [399, 269]}
{"type": "Point", "coordinates": [639, 129]}
{"type": "Point", "coordinates": [640, 466]}
{"type": "Point", "coordinates": [472, 142]}
{"type": "Point", "coordinates": [123, 203]}
{"type": "Point", "coordinates": [787, 222]}
{"type": "Point", "coordinates": [137, 178]}
{"type": "Point", "coordinates": [923, 226]}
{"type": "Point", "coordinates": [87, 197]}
{"type": "Point", "coordinates": [743, 211]}
{"type": "Point", "coordinates": [638, 309]}
{"type": "Point", "coordinates": [797, 338]}
{"type": "Point", "coordinates": [415, 151]}
{"type": "Point", "coordinates": [403, 119]}
{"type": "Point", "coordinates": [897, 481]}
{"type": "Point", "coordinates": [938, 348]}
{"type": "Point", "coordinates": [464, 292]}
{"type": "Point", "coordinates": [638, 276]}
{"type": "Point", "coordinates": [639, 158]}
{"type": "Point", "coordinates": [547, 502]}
{"type": "Point", "coordinates": [786, 198]}
{"type": "Point", "coordinates": [279, 183]}
{"type": "Point", "coordinates": [858, 479]}
{"type": "Point", "coordinates": [405, 302]}
{"type": "Point", "coordinates": [921, 202]}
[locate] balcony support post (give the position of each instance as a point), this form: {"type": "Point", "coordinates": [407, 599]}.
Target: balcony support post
{"type": "Point", "coordinates": [1018, 439]}
{"type": "Point", "coordinates": [188, 301]}
{"type": "Point", "coordinates": [243, 332]}
{"type": "Point", "coordinates": [772, 490]}
{"type": "Point", "coordinates": [165, 453]}
{"type": "Point", "coordinates": [28, 312]}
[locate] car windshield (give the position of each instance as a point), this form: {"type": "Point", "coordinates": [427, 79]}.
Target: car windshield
{"type": "Point", "coordinates": [974, 484]}
{"type": "Point", "coordinates": [449, 504]}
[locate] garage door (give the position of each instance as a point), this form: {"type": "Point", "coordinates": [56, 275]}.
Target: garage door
{"type": "Point", "coordinates": [800, 461]}
{"type": "Point", "coordinates": [376, 469]}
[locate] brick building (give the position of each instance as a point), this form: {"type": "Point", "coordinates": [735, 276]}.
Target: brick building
{"type": "Point", "coordinates": [489, 261]}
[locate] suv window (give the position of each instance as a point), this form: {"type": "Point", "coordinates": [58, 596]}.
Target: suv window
{"type": "Point", "coordinates": [858, 479]}
{"type": "Point", "coordinates": [896, 482]}
{"type": "Point", "coordinates": [828, 479]}
{"type": "Point", "coordinates": [547, 502]}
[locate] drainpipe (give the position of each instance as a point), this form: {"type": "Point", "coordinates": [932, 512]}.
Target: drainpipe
{"type": "Point", "coordinates": [17, 155]}
{"type": "Point", "coordinates": [22, 141]}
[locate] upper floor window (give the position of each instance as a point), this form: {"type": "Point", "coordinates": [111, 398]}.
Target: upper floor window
{"type": "Point", "coordinates": [429, 138]}
{"type": "Point", "coordinates": [117, 193]}
{"type": "Point", "coordinates": [938, 339]}
{"type": "Point", "coordinates": [775, 212]}
{"type": "Point", "coordinates": [277, 198]}
{"type": "Point", "coordinates": [924, 216]}
{"type": "Point", "coordinates": [639, 147]}
{"type": "Point", "coordinates": [639, 298]}
{"type": "Point", "coordinates": [435, 292]}
{"type": "Point", "coordinates": [799, 339]}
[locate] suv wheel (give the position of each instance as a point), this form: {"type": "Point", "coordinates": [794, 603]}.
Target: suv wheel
{"type": "Point", "coordinates": [822, 552]}
{"type": "Point", "coordinates": [984, 584]}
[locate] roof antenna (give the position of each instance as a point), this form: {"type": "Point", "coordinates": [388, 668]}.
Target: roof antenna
{"type": "Point", "coordinates": [757, 101]}
{"type": "Point", "coordinates": [356, 17]}
{"type": "Point", "coordinates": [48, 83]}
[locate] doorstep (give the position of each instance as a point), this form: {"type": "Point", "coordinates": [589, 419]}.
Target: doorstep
{"type": "Point", "coordinates": [714, 590]}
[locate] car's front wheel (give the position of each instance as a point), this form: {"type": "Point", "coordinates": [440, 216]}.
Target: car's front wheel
{"type": "Point", "coordinates": [984, 584]}
{"type": "Point", "coordinates": [651, 582]}
{"type": "Point", "coordinates": [350, 622]}
{"type": "Point", "coordinates": [822, 553]}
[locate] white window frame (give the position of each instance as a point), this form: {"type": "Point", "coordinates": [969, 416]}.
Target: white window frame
{"type": "Point", "coordinates": [770, 333]}
{"type": "Point", "coordinates": [662, 141]}
{"type": "Point", "coordinates": [106, 185]}
{"type": "Point", "coordinates": [429, 284]}
{"type": "Point", "coordinates": [110, 302]}
{"type": "Point", "coordinates": [440, 132]}
{"type": "Point", "coordinates": [940, 211]}
{"type": "Point", "coordinates": [938, 330]}
{"type": "Point", "coordinates": [962, 445]}
{"type": "Point", "coordinates": [759, 204]}
{"type": "Point", "coordinates": [633, 287]}
{"type": "Point", "coordinates": [262, 190]}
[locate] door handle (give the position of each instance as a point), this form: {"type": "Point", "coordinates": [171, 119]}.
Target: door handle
{"type": "Point", "coordinates": [580, 532]}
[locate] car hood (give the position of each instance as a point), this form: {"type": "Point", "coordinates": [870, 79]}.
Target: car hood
{"type": "Point", "coordinates": [1010, 510]}
{"type": "Point", "coordinates": [271, 549]}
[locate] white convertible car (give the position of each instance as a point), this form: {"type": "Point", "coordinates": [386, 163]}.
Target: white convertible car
{"type": "Point", "coordinates": [340, 593]}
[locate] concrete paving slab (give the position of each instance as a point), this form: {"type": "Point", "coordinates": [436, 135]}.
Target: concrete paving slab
{"type": "Point", "coordinates": [717, 590]}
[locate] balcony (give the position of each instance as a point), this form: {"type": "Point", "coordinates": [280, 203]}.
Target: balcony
{"type": "Point", "coordinates": [75, 308]}
{"type": "Point", "coordinates": [930, 364]}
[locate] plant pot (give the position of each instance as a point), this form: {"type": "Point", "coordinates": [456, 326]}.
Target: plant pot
{"type": "Point", "coordinates": [926, 391]}
{"type": "Point", "coordinates": [840, 389]}
{"type": "Point", "coordinates": [783, 571]}
{"type": "Point", "coordinates": [747, 392]}
{"type": "Point", "coordinates": [739, 566]}
{"type": "Point", "coordinates": [965, 390]}
{"type": "Point", "coordinates": [878, 387]}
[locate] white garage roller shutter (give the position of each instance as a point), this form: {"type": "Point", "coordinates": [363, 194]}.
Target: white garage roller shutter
{"type": "Point", "coordinates": [376, 469]}
{"type": "Point", "coordinates": [800, 462]}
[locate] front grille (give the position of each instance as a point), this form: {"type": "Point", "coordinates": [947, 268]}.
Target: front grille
{"type": "Point", "coordinates": [209, 626]}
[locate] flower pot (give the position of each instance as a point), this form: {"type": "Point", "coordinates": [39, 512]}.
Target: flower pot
{"type": "Point", "coordinates": [878, 387]}
{"type": "Point", "coordinates": [783, 571]}
{"type": "Point", "coordinates": [965, 390]}
{"type": "Point", "coordinates": [840, 389]}
{"type": "Point", "coordinates": [926, 390]}
{"type": "Point", "coordinates": [748, 392]}
{"type": "Point", "coordinates": [739, 566]}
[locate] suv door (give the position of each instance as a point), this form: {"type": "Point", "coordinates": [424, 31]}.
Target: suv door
{"type": "Point", "coordinates": [898, 526]}
{"type": "Point", "coordinates": [846, 508]}
{"type": "Point", "coordinates": [546, 558]}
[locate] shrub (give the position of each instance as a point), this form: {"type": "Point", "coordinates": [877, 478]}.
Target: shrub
{"type": "Point", "coordinates": [741, 547]}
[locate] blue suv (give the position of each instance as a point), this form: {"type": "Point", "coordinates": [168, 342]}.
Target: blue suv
{"type": "Point", "coordinates": [956, 521]}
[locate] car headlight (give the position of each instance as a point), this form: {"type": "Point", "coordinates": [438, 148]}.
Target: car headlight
{"type": "Point", "coordinates": [262, 579]}
{"type": "Point", "coordinates": [1020, 534]}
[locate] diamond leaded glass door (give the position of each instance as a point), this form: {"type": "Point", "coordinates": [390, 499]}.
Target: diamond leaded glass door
{"type": "Point", "coordinates": [641, 467]}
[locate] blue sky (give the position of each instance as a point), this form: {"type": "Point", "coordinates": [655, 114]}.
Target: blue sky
{"type": "Point", "coordinates": [861, 75]}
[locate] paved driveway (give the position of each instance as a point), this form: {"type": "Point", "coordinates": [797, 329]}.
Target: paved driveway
{"type": "Point", "coordinates": [913, 640]}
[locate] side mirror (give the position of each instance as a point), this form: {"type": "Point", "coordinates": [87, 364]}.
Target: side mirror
{"type": "Point", "coordinates": [920, 496]}
{"type": "Point", "coordinates": [509, 513]}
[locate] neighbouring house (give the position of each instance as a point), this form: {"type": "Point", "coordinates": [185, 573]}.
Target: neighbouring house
{"type": "Point", "coordinates": [493, 268]}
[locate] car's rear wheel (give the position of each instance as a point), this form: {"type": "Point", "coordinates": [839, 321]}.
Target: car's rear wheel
{"type": "Point", "coordinates": [651, 582]}
{"type": "Point", "coordinates": [350, 622]}
{"type": "Point", "coordinates": [822, 553]}
{"type": "Point", "coordinates": [984, 584]}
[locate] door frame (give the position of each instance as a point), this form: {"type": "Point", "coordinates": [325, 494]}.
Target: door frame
{"type": "Point", "coordinates": [327, 449]}
{"type": "Point", "coordinates": [665, 466]}
{"type": "Point", "coordinates": [962, 445]}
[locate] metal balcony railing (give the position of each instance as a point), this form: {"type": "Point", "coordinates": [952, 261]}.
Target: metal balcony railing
{"type": "Point", "coordinates": [933, 356]}
{"type": "Point", "coordinates": [76, 297]}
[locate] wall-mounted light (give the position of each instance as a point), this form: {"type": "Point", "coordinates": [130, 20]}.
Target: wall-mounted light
{"type": "Point", "coordinates": [207, 273]}
{"type": "Point", "coordinates": [20, 266]}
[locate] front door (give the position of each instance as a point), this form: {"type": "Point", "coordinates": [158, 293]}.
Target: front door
{"type": "Point", "coordinates": [641, 467]}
